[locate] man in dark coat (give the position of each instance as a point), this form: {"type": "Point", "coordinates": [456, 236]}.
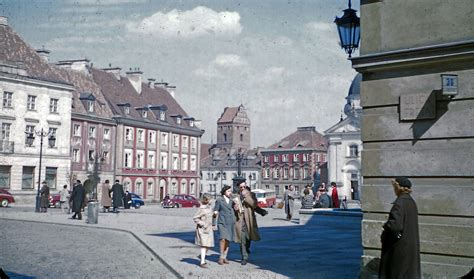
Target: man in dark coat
{"type": "Point", "coordinates": [78, 195]}
{"type": "Point", "coordinates": [44, 197]}
{"type": "Point", "coordinates": [400, 237]}
{"type": "Point", "coordinates": [117, 195]}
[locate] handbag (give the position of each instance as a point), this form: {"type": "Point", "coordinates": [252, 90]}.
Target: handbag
{"type": "Point", "coordinates": [280, 205]}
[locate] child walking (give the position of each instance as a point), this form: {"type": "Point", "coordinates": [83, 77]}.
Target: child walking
{"type": "Point", "coordinates": [204, 229]}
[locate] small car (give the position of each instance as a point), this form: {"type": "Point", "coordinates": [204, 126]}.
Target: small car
{"type": "Point", "coordinates": [55, 200]}
{"type": "Point", "coordinates": [181, 201]}
{"type": "Point", "coordinates": [136, 201]}
{"type": "Point", "coordinates": [6, 198]}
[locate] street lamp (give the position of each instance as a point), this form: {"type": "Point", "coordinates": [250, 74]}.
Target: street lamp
{"type": "Point", "coordinates": [93, 204]}
{"type": "Point", "coordinates": [51, 142]}
{"type": "Point", "coordinates": [348, 27]}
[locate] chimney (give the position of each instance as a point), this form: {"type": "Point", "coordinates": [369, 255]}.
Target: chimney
{"type": "Point", "coordinates": [4, 20]}
{"type": "Point", "coordinates": [171, 90]}
{"type": "Point", "coordinates": [80, 65]}
{"type": "Point", "coordinates": [308, 128]}
{"type": "Point", "coordinates": [151, 82]}
{"type": "Point", "coordinates": [43, 54]}
{"type": "Point", "coordinates": [135, 78]}
{"type": "Point", "coordinates": [113, 70]}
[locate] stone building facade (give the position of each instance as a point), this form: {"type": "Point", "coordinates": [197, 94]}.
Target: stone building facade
{"type": "Point", "coordinates": [418, 122]}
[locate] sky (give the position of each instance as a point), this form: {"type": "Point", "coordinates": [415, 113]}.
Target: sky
{"type": "Point", "coordinates": [280, 59]}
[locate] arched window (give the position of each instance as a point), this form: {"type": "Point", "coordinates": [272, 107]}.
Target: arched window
{"type": "Point", "coordinates": [139, 187]}
{"type": "Point", "coordinates": [184, 185]}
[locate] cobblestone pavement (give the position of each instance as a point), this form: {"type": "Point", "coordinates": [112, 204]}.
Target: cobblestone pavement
{"type": "Point", "coordinates": [327, 249]}
{"type": "Point", "coordinates": [43, 250]}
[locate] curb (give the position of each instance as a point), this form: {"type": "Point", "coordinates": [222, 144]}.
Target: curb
{"type": "Point", "coordinates": [158, 257]}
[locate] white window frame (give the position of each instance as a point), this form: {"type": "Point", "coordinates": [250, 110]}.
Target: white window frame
{"type": "Point", "coordinates": [90, 106]}
{"type": "Point", "coordinates": [140, 157]}
{"type": "Point", "coordinates": [141, 135]}
{"type": "Point", "coordinates": [151, 160]}
{"type": "Point", "coordinates": [128, 133]}
{"type": "Point", "coordinates": [31, 102]}
{"type": "Point", "coordinates": [77, 130]}
{"type": "Point", "coordinates": [7, 99]}
{"type": "Point", "coordinates": [176, 141]}
{"type": "Point", "coordinates": [193, 162]}
{"type": "Point", "coordinates": [175, 161]}
{"type": "Point", "coordinates": [92, 132]}
{"type": "Point", "coordinates": [128, 158]}
{"type": "Point", "coordinates": [164, 160]}
{"type": "Point", "coordinates": [76, 155]}
{"type": "Point", "coordinates": [152, 137]}
{"type": "Point", "coordinates": [164, 138]}
{"type": "Point", "coordinates": [53, 105]}
{"type": "Point", "coordinates": [106, 133]}
{"type": "Point", "coordinates": [184, 162]}
{"type": "Point", "coordinates": [185, 140]}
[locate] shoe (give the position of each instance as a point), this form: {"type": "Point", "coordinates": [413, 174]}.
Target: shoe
{"type": "Point", "coordinates": [243, 262]}
{"type": "Point", "coordinates": [220, 261]}
{"type": "Point", "coordinates": [226, 261]}
{"type": "Point", "coordinates": [204, 265]}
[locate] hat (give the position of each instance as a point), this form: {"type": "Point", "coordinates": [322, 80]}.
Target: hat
{"type": "Point", "coordinates": [403, 181]}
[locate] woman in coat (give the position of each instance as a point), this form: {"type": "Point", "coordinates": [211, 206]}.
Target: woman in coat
{"type": "Point", "coordinates": [105, 199]}
{"type": "Point", "coordinates": [289, 198]}
{"type": "Point", "coordinates": [78, 195]}
{"type": "Point", "coordinates": [204, 229]}
{"type": "Point", "coordinates": [400, 237]}
{"type": "Point", "coordinates": [44, 192]}
{"type": "Point", "coordinates": [224, 209]}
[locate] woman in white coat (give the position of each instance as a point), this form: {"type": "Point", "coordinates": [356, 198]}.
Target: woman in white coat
{"type": "Point", "coordinates": [204, 229]}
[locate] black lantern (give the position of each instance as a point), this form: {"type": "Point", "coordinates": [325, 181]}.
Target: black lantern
{"type": "Point", "coordinates": [30, 139]}
{"type": "Point", "coordinates": [348, 27]}
{"type": "Point", "coordinates": [51, 141]}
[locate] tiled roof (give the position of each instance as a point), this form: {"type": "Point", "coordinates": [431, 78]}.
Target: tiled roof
{"type": "Point", "coordinates": [16, 52]}
{"type": "Point", "coordinates": [205, 149]}
{"type": "Point", "coordinates": [304, 137]}
{"type": "Point", "coordinates": [228, 115]}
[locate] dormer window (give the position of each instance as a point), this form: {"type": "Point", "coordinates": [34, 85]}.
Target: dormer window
{"type": "Point", "coordinates": [162, 115]}
{"type": "Point", "coordinates": [178, 120]}
{"type": "Point", "coordinates": [90, 106]}
{"type": "Point", "coordinates": [144, 113]}
{"type": "Point", "coordinates": [191, 123]}
{"type": "Point", "coordinates": [126, 110]}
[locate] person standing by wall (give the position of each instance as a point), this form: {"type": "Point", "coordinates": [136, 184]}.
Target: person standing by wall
{"type": "Point", "coordinates": [289, 199]}
{"type": "Point", "coordinates": [64, 199]}
{"type": "Point", "coordinates": [224, 210]}
{"type": "Point", "coordinates": [400, 237]}
{"type": "Point", "coordinates": [44, 192]}
{"type": "Point", "coordinates": [105, 198]}
{"type": "Point", "coordinates": [204, 229]}
{"type": "Point", "coordinates": [334, 195]}
{"type": "Point", "coordinates": [117, 195]}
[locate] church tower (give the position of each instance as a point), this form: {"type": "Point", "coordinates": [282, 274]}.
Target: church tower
{"type": "Point", "coordinates": [233, 129]}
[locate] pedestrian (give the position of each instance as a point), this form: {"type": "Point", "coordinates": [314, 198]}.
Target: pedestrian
{"type": "Point", "coordinates": [400, 237]}
{"type": "Point", "coordinates": [44, 192]}
{"type": "Point", "coordinates": [322, 198]}
{"type": "Point", "coordinates": [105, 199]}
{"type": "Point", "coordinates": [289, 199]}
{"type": "Point", "coordinates": [311, 194]}
{"type": "Point", "coordinates": [204, 228]}
{"type": "Point", "coordinates": [117, 195]}
{"type": "Point", "coordinates": [224, 210]}
{"type": "Point", "coordinates": [334, 195]}
{"type": "Point", "coordinates": [64, 199]}
{"type": "Point", "coordinates": [127, 200]}
{"type": "Point", "coordinates": [78, 196]}
{"type": "Point", "coordinates": [246, 227]}
{"type": "Point", "coordinates": [308, 200]}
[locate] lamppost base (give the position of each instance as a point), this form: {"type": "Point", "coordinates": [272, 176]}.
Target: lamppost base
{"type": "Point", "coordinates": [38, 204]}
{"type": "Point", "coordinates": [92, 212]}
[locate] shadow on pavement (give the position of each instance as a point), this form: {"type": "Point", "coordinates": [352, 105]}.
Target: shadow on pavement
{"type": "Point", "coordinates": [13, 275]}
{"type": "Point", "coordinates": [325, 247]}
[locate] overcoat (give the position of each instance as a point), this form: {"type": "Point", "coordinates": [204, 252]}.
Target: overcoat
{"type": "Point", "coordinates": [78, 196]}
{"type": "Point", "coordinates": [225, 218]}
{"type": "Point", "coordinates": [117, 194]}
{"type": "Point", "coordinates": [401, 241]}
{"type": "Point", "coordinates": [204, 233]}
{"type": "Point", "coordinates": [289, 199]}
{"type": "Point", "coordinates": [249, 203]}
{"type": "Point", "coordinates": [105, 199]}
{"type": "Point", "coordinates": [44, 196]}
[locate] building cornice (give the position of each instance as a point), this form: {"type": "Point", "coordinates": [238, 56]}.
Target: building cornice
{"type": "Point", "coordinates": [36, 82]}
{"type": "Point", "coordinates": [92, 118]}
{"type": "Point", "coordinates": [150, 125]}
{"type": "Point", "coordinates": [286, 150]}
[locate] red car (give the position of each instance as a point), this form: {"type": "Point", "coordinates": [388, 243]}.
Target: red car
{"type": "Point", "coordinates": [6, 198]}
{"type": "Point", "coordinates": [181, 201]}
{"type": "Point", "coordinates": [54, 200]}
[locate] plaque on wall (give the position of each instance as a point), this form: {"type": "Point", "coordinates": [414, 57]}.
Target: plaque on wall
{"type": "Point", "coordinates": [417, 106]}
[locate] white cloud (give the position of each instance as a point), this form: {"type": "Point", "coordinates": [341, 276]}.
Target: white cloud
{"type": "Point", "coordinates": [193, 23]}
{"type": "Point", "coordinates": [229, 60]}
{"type": "Point", "coordinates": [320, 26]}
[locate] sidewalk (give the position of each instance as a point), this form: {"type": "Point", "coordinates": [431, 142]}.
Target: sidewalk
{"type": "Point", "coordinates": [328, 249]}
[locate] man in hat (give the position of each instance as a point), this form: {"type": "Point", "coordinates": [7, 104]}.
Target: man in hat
{"type": "Point", "coordinates": [400, 237]}
{"type": "Point", "coordinates": [78, 195]}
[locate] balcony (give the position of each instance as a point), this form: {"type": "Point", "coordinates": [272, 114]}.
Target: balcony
{"type": "Point", "coordinates": [7, 146]}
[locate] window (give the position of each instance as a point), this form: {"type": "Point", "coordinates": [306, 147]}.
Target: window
{"type": "Point", "coordinates": [175, 162]}
{"type": "Point", "coordinates": [140, 135]}
{"type": "Point", "coordinates": [140, 159]}
{"type": "Point", "coordinates": [128, 158]}
{"type": "Point", "coordinates": [105, 156]}
{"type": "Point", "coordinates": [51, 177]}
{"type": "Point", "coordinates": [92, 132]}
{"type": "Point", "coordinates": [164, 138]}
{"type": "Point", "coordinates": [276, 173]}
{"type": "Point", "coordinates": [7, 99]}
{"type": "Point", "coordinates": [162, 115]}
{"type": "Point", "coordinates": [174, 188]}
{"type": "Point", "coordinates": [306, 173]}
{"type": "Point", "coordinates": [306, 157]}
{"type": "Point", "coordinates": [191, 123]}
{"type": "Point", "coordinates": [285, 173]}
{"type": "Point", "coordinates": [164, 161]}
{"type": "Point", "coordinates": [284, 158]}
{"type": "Point", "coordinates": [76, 156]}
{"type": "Point", "coordinates": [144, 113]}
{"type": "Point", "coordinates": [183, 187]}
{"type": "Point", "coordinates": [175, 140]}
{"type": "Point", "coordinates": [52, 133]}
{"type": "Point", "coordinates": [128, 133]}
{"type": "Point", "coordinates": [193, 163]}
{"type": "Point", "coordinates": [91, 155]}
{"type": "Point", "coordinates": [184, 162]}
{"type": "Point", "coordinates": [149, 188]}
{"type": "Point", "coordinates": [53, 105]}
{"type": "Point", "coordinates": [152, 137]}
{"type": "Point", "coordinates": [31, 102]}
{"type": "Point", "coordinates": [296, 173]}
{"type": "Point", "coordinates": [5, 176]}
{"type": "Point", "coordinates": [353, 151]}
{"type": "Point", "coordinates": [276, 158]}
{"type": "Point", "coordinates": [185, 142]}
{"type": "Point", "coordinates": [90, 106]}
{"type": "Point", "coordinates": [29, 130]}
{"type": "Point", "coordinates": [126, 110]}
{"type": "Point", "coordinates": [77, 130]}
{"type": "Point", "coordinates": [139, 188]}
{"type": "Point", "coordinates": [266, 173]}
{"type": "Point", "coordinates": [151, 160]}
{"type": "Point", "coordinates": [27, 178]}
{"type": "Point", "coordinates": [296, 157]}
{"type": "Point", "coordinates": [265, 159]}
{"type": "Point", "coordinates": [225, 137]}
{"type": "Point", "coordinates": [193, 144]}
{"type": "Point", "coordinates": [106, 133]}
{"type": "Point", "coordinates": [241, 137]}
{"type": "Point", "coordinates": [6, 131]}
{"type": "Point", "coordinates": [192, 188]}
{"type": "Point", "coordinates": [178, 120]}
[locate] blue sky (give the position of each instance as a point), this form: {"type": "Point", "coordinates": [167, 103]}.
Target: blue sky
{"type": "Point", "coordinates": [281, 59]}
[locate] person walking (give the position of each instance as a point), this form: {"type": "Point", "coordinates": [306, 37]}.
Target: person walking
{"type": "Point", "coordinates": [78, 195]}
{"type": "Point", "coordinates": [246, 224]}
{"type": "Point", "coordinates": [105, 198]}
{"type": "Point", "coordinates": [334, 195]}
{"type": "Point", "coordinates": [224, 210]}
{"type": "Point", "coordinates": [44, 193]}
{"type": "Point", "coordinates": [400, 237]}
{"type": "Point", "coordinates": [204, 228]}
{"type": "Point", "coordinates": [117, 195]}
{"type": "Point", "coordinates": [289, 199]}
{"type": "Point", "coordinates": [64, 199]}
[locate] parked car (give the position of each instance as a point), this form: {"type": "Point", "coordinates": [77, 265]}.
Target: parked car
{"type": "Point", "coordinates": [6, 198]}
{"type": "Point", "coordinates": [136, 201]}
{"type": "Point", "coordinates": [181, 201]}
{"type": "Point", "coordinates": [55, 200]}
